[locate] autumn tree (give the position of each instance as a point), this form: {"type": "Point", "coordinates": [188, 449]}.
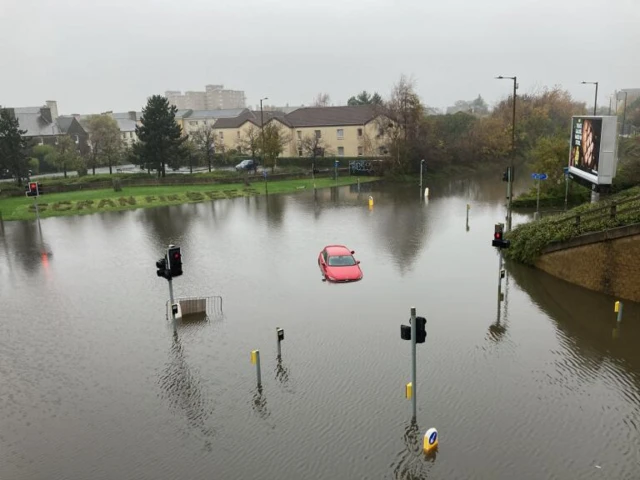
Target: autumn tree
{"type": "Point", "coordinates": [250, 141]}
{"type": "Point", "coordinates": [275, 141]}
{"type": "Point", "coordinates": [66, 155]}
{"type": "Point", "coordinates": [160, 137]}
{"type": "Point", "coordinates": [13, 147]}
{"type": "Point", "coordinates": [364, 98]}
{"type": "Point", "coordinates": [204, 141]}
{"type": "Point", "coordinates": [106, 143]}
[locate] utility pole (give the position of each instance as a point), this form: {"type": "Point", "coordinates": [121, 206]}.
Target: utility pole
{"type": "Point", "coordinates": [513, 146]}
{"type": "Point", "coordinates": [262, 130]}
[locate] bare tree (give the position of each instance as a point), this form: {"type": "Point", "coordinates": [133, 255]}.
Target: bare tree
{"type": "Point", "coordinates": [106, 143]}
{"type": "Point", "coordinates": [313, 147]}
{"type": "Point", "coordinates": [322, 100]}
{"type": "Point", "coordinates": [204, 140]}
{"type": "Point", "coordinates": [275, 141]}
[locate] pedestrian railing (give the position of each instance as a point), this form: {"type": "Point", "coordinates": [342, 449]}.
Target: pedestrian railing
{"type": "Point", "coordinates": [612, 211]}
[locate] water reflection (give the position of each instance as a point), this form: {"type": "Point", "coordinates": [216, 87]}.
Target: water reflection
{"type": "Point", "coordinates": [276, 207]}
{"type": "Point", "coordinates": [585, 320]}
{"type": "Point", "coordinates": [182, 387]}
{"type": "Point", "coordinates": [412, 463]}
{"type": "Point", "coordinates": [27, 245]}
{"type": "Point", "coordinates": [169, 224]}
{"type": "Point", "coordinates": [259, 404]}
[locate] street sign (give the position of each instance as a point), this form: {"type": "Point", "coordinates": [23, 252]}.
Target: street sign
{"type": "Point", "coordinates": [539, 176]}
{"type": "Point", "coordinates": [264, 173]}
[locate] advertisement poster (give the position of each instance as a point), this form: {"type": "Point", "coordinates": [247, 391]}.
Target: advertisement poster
{"type": "Point", "coordinates": [585, 144]}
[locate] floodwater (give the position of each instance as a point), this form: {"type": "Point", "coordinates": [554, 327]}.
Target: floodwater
{"type": "Point", "coordinates": [94, 384]}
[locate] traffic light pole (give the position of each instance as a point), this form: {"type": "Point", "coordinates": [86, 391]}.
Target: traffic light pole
{"type": "Point", "coordinates": [35, 203]}
{"type": "Point", "coordinates": [173, 315]}
{"type": "Point", "coordinates": [414, 330]}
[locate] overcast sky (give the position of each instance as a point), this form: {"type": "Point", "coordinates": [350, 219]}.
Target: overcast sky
{"type": "Point", "coordinates": [97, 55]}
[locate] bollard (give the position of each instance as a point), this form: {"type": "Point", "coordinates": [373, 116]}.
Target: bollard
{"type": "Point", "coordinates": [370, 201]}
{"type": "Point", "coordinates": [426, 192]}
{"type": "Point", "coordinates": [255, 359]}
{"type": "Point", "coordinates": [618, 309]}
{"type": "Point", "coordinates": [280, 334]}
{"type": "Point", "coordinates": [430, 442]}
{"type": "Point", "coordinates": [468, 208]}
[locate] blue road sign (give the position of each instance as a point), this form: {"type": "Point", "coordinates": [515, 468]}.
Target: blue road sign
{"type": "Point", "coordinates": [337, 163]}
{"type": "Point", "coordinates": [264, 173]}
{"type": "Point", "coordinates": [539, 176]}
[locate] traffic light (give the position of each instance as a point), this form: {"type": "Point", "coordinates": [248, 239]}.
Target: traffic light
{"type": "Point", "coordinates": [506, 174]}
{"type": "Point", "coordinates": [421, 329]}
{"type": "Point", "coordinates": [162, 269]}
{"type": "Point", "coordinates": [32, 189]}
{"type": "Point", "coordinates": [174, 260]}
{"type": "Point", "coordinates": [498, 234]}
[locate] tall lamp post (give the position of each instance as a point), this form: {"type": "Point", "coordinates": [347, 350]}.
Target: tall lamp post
{"type": "Point", "coordinates": [513, 145]}
{"type": "Point", "coordinates": [262, 130]}
{"type": "Point", "coordinates": [595, 100]}
{"type": "Point", "coordinates": [624, 112]}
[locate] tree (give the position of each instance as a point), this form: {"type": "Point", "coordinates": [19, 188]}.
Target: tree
{"type": "Point", "coordinates": [204, 141]}
{"type": "Point", "coordinates": [275, 140]}
{"type": "Point", "coordinates": [43, 153]}
{"type": "Point", "coordinates": [313, 146]}
{"type": "Point", "coordinates": [402, 123]}
{"type": "Point", "coordinates": [160, 136]}
{"type": "Point", "coordinates": [106, 144]}
{"type": "Point", "coordinates": [13, 147]}
{"type": "Point", "coordinates": [322, 100]}
{"type": "Point", "coordinates": [250, 141]}
{"type": "Point", "coordinates": [66, 155]}
{"type": "Point", "coordinates": [363, 98]}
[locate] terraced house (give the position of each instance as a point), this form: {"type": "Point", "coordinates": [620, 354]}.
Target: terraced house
{"type": "Point", "coordinates": [350, 131]}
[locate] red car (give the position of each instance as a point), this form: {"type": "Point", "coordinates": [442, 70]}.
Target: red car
{"type": "Point", "coordinates": [337, 264]}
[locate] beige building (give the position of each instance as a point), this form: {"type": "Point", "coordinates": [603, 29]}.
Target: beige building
{"type": "Point", "coordinates": [192, 120]}
{"type": "Point", "coordinates": [214, 97]}
{"type": "Point", "coordinates": [350, 131]}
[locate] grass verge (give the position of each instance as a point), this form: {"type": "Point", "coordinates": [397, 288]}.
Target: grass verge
{"type": "Point", "coordinates": [106, 200]}
{"type": "Point", "coordinates": [530, 239]}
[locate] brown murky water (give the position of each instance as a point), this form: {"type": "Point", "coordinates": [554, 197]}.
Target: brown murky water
{"type": "Point", "coordinates": [94, 384]}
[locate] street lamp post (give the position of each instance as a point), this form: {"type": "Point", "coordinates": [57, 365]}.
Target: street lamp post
{"type": "Point", "coordinates": [624, 112]}
{"type": "Point", "coordinates": [421, 167]}
{"type": "Point", "coordinates": [513, 145]}
{"type": "Point", "coordinates": [262, 130]}
{"type": "Point", "coordinates": [595, 100]}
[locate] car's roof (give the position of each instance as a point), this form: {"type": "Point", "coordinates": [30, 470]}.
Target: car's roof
{"type": "Point", "coordinates": [337, 250]}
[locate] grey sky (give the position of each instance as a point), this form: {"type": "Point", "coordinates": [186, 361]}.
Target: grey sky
{"type": "Point", "coordinates": [93, 56]}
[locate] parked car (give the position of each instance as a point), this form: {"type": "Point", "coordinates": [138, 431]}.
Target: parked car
{"type": "Point", "coordinates": [337, 264]}
{"type": "Point", "coordinates": [247, 165]}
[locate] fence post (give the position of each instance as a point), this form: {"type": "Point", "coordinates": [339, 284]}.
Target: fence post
{"type": "Point", "coordinates": [613, 210]}
{"type": "Point", "coordinates": [577, 220]}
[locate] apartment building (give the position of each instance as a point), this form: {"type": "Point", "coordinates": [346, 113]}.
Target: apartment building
{"type": "Point", "coordinates": [192, 120]}
{"type": "Point", "coordinates": [349, 131]}
{"type": "Point", "coordinates": [214, 97]}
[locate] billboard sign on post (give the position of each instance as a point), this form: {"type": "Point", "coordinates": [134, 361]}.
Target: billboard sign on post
{"type": "Point", "coordinates": [592, 156]}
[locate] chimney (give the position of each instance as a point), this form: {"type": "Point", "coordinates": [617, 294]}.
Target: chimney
{"type": "Point", "coordinates": [132, 116]}
{"type": "Point", "coordinates": [52, 105]}
{"type": "Point", "coordinates": [45, 113]}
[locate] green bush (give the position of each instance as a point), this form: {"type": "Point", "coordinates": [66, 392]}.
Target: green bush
{"type": "Point", "coordinates": [530, 239]}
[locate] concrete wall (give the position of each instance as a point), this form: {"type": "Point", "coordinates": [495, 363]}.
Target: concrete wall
{"type": "Point", "coordinates": [607, 262]}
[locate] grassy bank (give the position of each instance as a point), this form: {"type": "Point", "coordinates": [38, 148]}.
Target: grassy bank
{"type": "Point", "coordinates": [530, 239]}
{"type": "Point", "coordinates": [105, 200]}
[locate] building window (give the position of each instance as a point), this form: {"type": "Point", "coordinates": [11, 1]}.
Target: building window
{"type": "Point", "coordinates": [341, 151]}
{"type": "Point", "coordinates": [299, 132]}
{"type": "Point", "coordinates": [318, 134]}
{"type": "Point", "coordinates": [340, 133]}
{"type": "Point", "coordinates": [382, 150]}
{"type": "Point", "coordinates": [299, 153]}
{"type": "Point", "coordinates": [221, 135]}
{"type": "Point", "coordinates": [359, 132]}
{"type": "Point", "coordinates": [238, 134]}
{"type": "Point", "coordinates": [360, 151]}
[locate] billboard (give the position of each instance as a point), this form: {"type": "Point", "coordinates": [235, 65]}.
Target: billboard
{"type": "Point", "coordinates": [592, 155]}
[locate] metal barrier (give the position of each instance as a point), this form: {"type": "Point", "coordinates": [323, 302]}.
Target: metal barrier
{"type": "Point", "coordinates": [208, 307]}
{"type": "Point", "coordinates": [610, 211]}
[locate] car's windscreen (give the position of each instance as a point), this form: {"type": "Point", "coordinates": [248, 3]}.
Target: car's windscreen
{"type": "Point", "coordinates": [341, 261]}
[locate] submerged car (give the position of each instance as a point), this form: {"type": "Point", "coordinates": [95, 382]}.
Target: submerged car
{"type": "Point", "coordinates": [337, 264]}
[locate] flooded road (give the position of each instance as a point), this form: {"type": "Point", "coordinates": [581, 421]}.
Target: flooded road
{"type": "Point", "coordinates": [96, 385]}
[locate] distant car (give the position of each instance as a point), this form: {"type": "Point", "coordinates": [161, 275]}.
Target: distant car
{"type": "Point", "coordinates": [337, 264]}
{"type": "Point", "coordinates": [247, 165]}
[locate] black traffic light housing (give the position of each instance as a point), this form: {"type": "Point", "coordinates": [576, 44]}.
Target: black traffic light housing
{"type": "Point", "coordinates": [507, 175]}
{"type": "Point", "coordinates": [174, 260]}
{"type": "Point", "coordinates": [163, 271]}
{"type": "Point", "coordinates": [421, 330]}
{"type": "Point", "coordinates": [498, 237]}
